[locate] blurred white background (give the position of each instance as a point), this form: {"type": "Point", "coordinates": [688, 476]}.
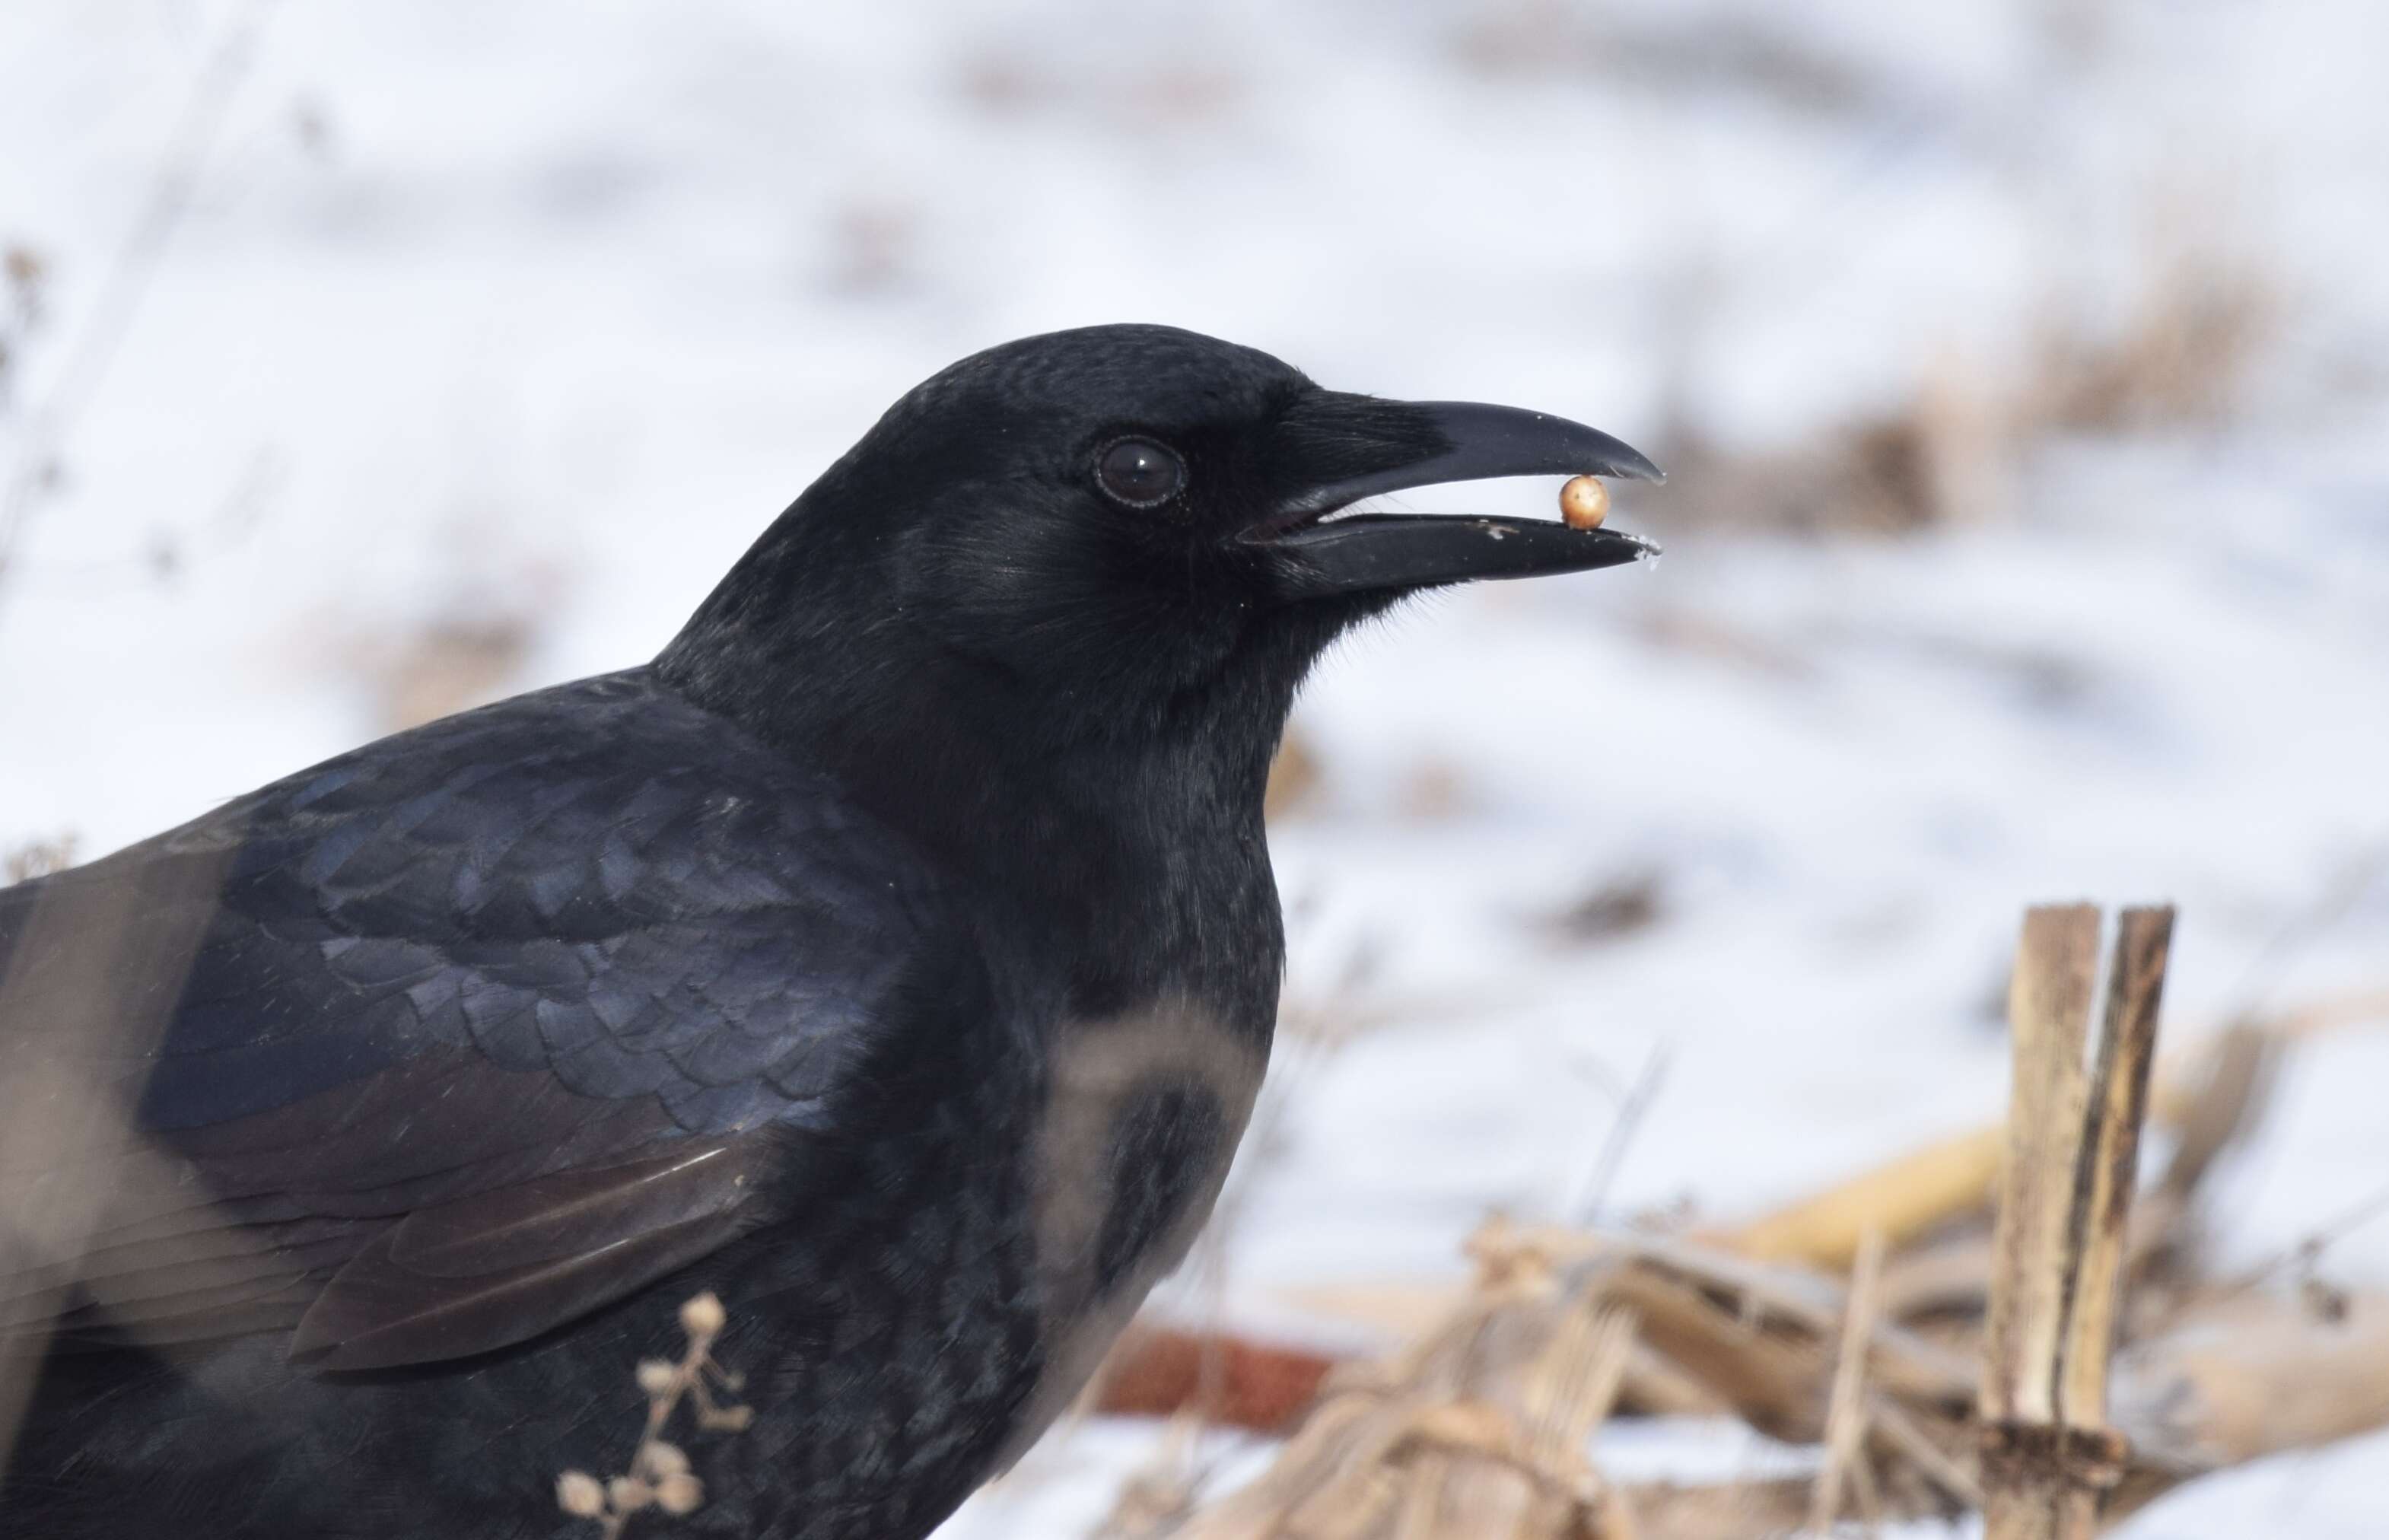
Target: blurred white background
{"type": "Point", "coordinates": [2020, 363]}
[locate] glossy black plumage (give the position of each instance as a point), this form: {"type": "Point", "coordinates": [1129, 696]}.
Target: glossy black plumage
{"type": "Point", "coordinates": [896, 957]}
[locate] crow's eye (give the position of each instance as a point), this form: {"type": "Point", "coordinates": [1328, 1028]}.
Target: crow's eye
{"type": "Point", "coordinates": [1140, 472]}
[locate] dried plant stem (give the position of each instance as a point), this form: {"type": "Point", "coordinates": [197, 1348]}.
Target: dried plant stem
{"type": "Point", "coordinates": [659, 1476]}
{"type": "Point", "coordinates": [1632, 1109]}
{"type": "Point", "coordinates": [1900, 1198]}
{"type": "Point", "coordinates": [2026, 1493]}
{"type": "Point", "coordinates": [2065, 1196]}
{"type": "Point", "coordinates": [2110, 1171]}
{"type": "Point", "coordinates": [128, 276]}
{"type": "Point", "coordinates": [2247, 1377]}
{"type": "Point", "coordinates": [1846, 1414]}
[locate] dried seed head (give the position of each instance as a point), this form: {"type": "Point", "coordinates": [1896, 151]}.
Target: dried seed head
{"type": "Point", "coordinates": [577, 1493]}
{"type": "Point", "coordinates": [727, 1419]}
{"type": "Point", "coordinates": [1584, 503]}
{"type": "Point", "coordinates": [703, 1316]}
{"type": "Point", "coordinates": [679, 1492]}
{"type": "Point", "coordinates": [657, 1375]}
{"type": "Point", "coordinates": [629, 1494]}
{"type": "Point", "coordinates": [660, 1459]}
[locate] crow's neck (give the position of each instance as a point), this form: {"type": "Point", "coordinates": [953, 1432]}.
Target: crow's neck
{"type": "Point", "coordinates": [1124, 845]}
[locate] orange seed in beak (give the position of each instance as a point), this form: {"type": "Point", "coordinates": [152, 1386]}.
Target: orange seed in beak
{"type": "Point", "coordinates": [1584, 503]}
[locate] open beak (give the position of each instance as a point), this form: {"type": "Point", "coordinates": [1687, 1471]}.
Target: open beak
{"type": "Point", "coordinates": [1438, 442]}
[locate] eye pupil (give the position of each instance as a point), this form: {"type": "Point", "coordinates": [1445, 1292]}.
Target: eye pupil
{"type": "Point", "coordinates": [1140, 472]}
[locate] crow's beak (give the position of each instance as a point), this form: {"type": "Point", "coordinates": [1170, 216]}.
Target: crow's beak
{"type": "Point", "coordinates": [1428, 443]}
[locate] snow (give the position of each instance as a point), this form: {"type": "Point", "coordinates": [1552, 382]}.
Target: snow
{"type": "Point", "coordinates": [554, 305]}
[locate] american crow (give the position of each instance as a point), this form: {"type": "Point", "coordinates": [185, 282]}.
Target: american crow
{"type": "Point", "coordinates": [895, 956]}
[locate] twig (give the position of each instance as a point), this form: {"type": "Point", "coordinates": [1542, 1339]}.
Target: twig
{"type": "Point", "coordinates": [2309, 1249]}
{"type": "Point", "coordinates": [2049, 1010]}
{"type": "Point", "coordinates": [129, 273]}
{"type": "Point", "coordinates": [2356, 878]}
{"type": "Point", "coordinates": [659, 1476]}
{"type": "Point", "coordinates": [1632, 1109]}
{"type": "Point", "coordinates": [2229, 1099]}
{"type": "Point", "coordinates": [235, 519]}
{"type": "Point", "coordinates": [1845, 1418]}
{"type": "Point", "coordinates": [2103, 1188]}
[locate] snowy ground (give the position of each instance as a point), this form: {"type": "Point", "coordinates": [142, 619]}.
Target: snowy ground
{"type": "Point", "coordinates": [542, 310]}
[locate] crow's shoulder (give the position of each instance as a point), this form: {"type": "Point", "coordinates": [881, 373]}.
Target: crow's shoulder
{"type": "Point", "coordinates": [601, 880]}
{"type": "Point", "coordinates": [427, 988]}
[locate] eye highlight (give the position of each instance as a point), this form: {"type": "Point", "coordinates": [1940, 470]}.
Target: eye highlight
{"type": "Point", "coordinates": [1139, 472]}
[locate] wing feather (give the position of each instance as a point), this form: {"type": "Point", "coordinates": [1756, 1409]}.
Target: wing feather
{"type": "Point", "coordinates": [441, 1044]}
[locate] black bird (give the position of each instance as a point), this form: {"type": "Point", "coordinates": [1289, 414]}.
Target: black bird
{"type": "Point", "coordinates": [895, 956]}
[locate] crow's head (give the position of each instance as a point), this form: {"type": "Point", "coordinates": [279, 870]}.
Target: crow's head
{"type": "Point", "coordinates": [1087, 530]}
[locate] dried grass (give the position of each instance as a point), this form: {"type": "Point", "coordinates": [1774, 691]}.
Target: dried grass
{"type": "Point", "coordinates": [1298, 781]}
{"type": "Point", "coordinates": [1484, 1422]}
{"type": "Point", "coordinates": [444, 667]}
{"type": "Point", "coordinates": [1697, 51]}
{"type": "Point", "coordinates": [1846, 1414]}
{"type": "Point", "coordinates": [468, 648]}
{"type": "Point", "coordinates": [2179, 354]}
{"type": "Point", "coordinates": [2182, 355]}
{"type": "Point", "coordinates": [1942, 456]}
{"type": "Point", "coordinates": [658, 1476]}
{"type": "Point", "coordinates": [38, 858]}
{"type": "Point", "coordinates": [1626, 904]}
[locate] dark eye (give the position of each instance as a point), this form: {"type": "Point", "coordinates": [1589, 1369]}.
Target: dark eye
{"type": "Point", "coordinates": [1140, 472]}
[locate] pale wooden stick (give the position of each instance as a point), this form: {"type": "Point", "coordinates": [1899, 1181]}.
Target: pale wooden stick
{"type": "Point", "coordinates": [1902, 1198]}
{"type": "Point", "coordinates": [2049, 1457]}
{"type": "Point", "coordinates": [2026, 1494]}
{"type": "Point", "coordinates": [1421, 1510]}
{"type": "Point", "coordinates": [1570, 1389]}
{"type": "Point", "coordinates": [1846, 1419]}
{"type": "Point", "coordinates": [2217, 1106]}
{"type": "Point", "coordinates": [1741, 1511]}
{"type": "Point", "coordinates": [2048, 1009]}
{"type": "Point", "coordinates": [2111, 1153]}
